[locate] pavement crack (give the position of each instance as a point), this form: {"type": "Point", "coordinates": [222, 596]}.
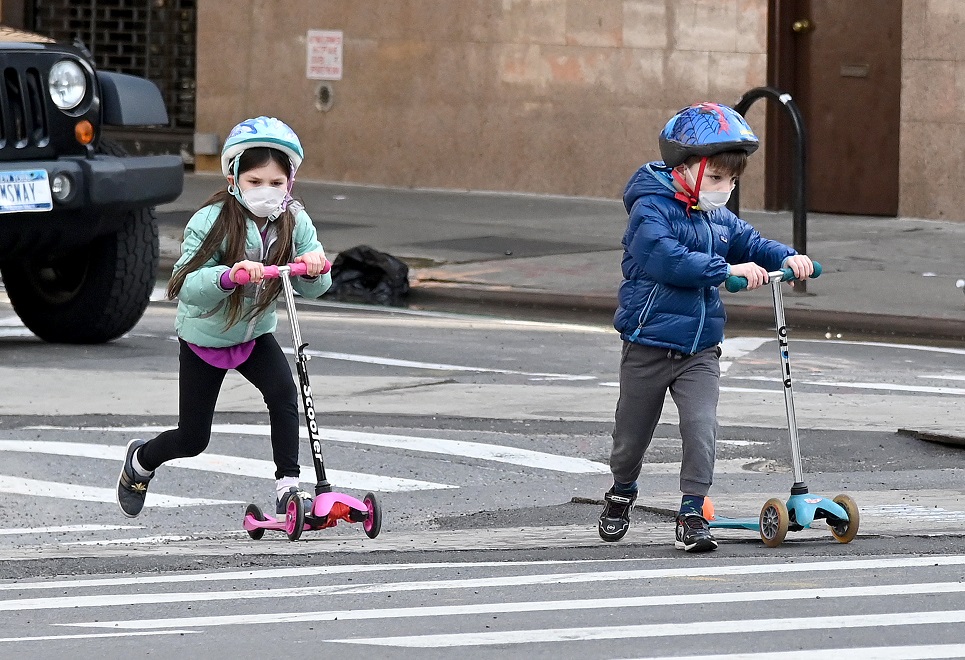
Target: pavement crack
{"type": "Point", "coordinates": [397, 388]}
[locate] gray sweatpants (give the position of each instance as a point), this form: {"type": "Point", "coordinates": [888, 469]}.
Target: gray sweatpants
{"type": "Point", "coordinates": [646, 373]}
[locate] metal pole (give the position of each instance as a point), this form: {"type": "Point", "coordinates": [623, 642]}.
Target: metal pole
{"type": "Point", "coordinates": [799, 487]}
{"type": "Point", "coordinates": [799, 173]}
{"type": "Point", "coordinates": [308, 401]}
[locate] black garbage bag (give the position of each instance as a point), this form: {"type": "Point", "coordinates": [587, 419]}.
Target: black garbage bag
{"type": "Point", "coordinates": [363, 274]}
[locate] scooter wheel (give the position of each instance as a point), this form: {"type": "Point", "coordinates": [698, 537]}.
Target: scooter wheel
{"type": "Point", "coordinates": [845, 531]}
{"type": "Point", "coordinates": [774, 522]}
{"type": "Point", "coordinates": [294, 518]}
{"type": "Point", "coordinates": [373, 521]}
{"type": "Point", "coordinates": [256, 513]}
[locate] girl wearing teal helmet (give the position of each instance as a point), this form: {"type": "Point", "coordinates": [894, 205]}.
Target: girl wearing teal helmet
{"type": "Point", "coordinates": [222, 325]}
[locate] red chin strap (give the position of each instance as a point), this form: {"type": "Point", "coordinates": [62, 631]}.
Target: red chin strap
{"type": "Point", "coordinates": [689, 196]}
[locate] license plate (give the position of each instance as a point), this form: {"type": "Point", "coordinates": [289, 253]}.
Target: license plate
{"type": "Point", "coordinates": [26, 190]}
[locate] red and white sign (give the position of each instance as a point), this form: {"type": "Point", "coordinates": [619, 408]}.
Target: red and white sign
{"type": "Point", "coordinates": [324, 54]}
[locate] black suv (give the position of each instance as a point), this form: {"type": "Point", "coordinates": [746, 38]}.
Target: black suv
{"type": "Point", "coordinates": [78, 234]}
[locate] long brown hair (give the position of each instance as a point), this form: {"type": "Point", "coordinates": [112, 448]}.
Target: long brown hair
{"type": "Point", "coordinates": [228, 234]}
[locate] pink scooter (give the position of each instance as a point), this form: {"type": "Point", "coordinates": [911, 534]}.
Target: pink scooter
{"type": "Point", "coordinates": [328, 507]}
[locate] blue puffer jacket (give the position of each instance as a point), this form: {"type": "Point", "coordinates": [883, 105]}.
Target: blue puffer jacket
{"type": "Point", "coordinates": [673, 264]}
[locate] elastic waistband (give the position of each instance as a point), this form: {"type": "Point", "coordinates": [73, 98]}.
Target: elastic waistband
{"type": "Point", "coordinates": [673, 354]}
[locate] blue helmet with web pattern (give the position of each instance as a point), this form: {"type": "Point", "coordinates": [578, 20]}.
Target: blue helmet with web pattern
{"type": "Point", "coordinates": [705, 129]}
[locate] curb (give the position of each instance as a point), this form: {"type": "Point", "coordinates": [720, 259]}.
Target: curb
{"type": "Point", "coordinates": [809, 319]}
{"type": "Point", "coordinates": [938, 438]}
{"type": "Point", "coordinates": [890, 325]}
{"type": "Point", "coordinates": [671, 513]}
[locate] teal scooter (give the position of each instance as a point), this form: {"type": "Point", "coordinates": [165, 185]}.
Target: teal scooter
{"type": "Point", "coordinates": [802, 509]}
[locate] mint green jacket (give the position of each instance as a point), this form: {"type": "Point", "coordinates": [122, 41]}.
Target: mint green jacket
{"type": "Point", "coordinates": [203, 304]}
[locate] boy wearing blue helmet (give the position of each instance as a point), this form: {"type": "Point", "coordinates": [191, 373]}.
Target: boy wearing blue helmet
{"type": "Point", "coordinates": [222, 325]}
{"type": "Point", "coordinates": [679, 247]}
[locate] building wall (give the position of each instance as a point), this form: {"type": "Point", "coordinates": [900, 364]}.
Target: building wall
{"type": "Point", "coordinates": [546, 96]}
{"type": "Point", "coordinates": [933, 109]}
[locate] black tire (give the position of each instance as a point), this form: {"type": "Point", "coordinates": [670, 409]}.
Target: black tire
{"type": "Point", "coordinates": [94, 294]}
{"type": "Point", "coordinates": [373, 522]}
{"type": "Point", "coordinates": [255, 534]}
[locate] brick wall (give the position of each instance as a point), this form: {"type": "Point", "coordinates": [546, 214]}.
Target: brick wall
{"type": "Point", "coordinates": [547, 96]}
{"type": "Point", "coordinates": [933, 109]}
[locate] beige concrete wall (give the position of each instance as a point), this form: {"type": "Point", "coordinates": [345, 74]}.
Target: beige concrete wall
{"type": "Point", "coordinates": [933, 109]}
{"type": "Point", "coordinates": [547, 96]}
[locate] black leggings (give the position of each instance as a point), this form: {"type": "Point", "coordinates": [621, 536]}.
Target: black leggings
{"type": "Point", "coordinates": [199, 385]}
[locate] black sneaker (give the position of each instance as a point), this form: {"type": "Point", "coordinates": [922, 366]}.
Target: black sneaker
{"type": "Point", "coordinates": [281, 503]}
{"type": "Point", "coordinates": [693, 534]}
{"type": "Point", "coordinates": [131, 487]}
{"type": "Point", "coordinates": [615, 519]}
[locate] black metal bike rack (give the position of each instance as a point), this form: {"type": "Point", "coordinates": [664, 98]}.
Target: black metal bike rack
{"type": "Point", "coordinates": [799, 174]}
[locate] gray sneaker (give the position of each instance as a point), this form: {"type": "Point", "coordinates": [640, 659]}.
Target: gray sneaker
{"type": "Point", "coordinates": [131, 487]}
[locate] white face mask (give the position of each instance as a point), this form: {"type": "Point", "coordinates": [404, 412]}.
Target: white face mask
{"type": "Point", "coordinates": [711, 201]}
{"type": "Point", "coordinates": [264, 201]}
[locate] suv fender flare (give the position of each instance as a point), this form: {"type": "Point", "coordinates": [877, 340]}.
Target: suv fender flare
{"type": "Point", "coordinates": [131, 101]}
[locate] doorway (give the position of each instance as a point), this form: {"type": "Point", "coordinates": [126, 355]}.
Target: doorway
{"type": "Point", "coordinates": [841, 61]}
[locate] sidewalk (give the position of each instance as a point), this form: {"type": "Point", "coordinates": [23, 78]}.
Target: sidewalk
{"type": "Point", "coordinates": [881, 275]}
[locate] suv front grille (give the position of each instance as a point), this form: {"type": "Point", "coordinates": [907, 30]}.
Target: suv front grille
{"type": "Point", "coordinates": [31, 126]}
{"type": "Point", "coordinates": [24, 113]}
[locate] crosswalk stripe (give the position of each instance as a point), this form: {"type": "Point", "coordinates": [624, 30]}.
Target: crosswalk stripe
{"type": "Point", "coordinates": [66, 491]}
{"type": "Point", "coordinates": [140, 540]}
{"type": "Point", "coordinates": [850, 565]}
{"type": "Point", "coordinates": [526, 606]}
{"type": "Point", "coordinates": [15, 332]}
{"type": "Point", "coordinates": [479, 450]}
{"type": "Point", "coordinates": [787, 597]}
{"type": "Point", "coordinates": [57, 529]}
{"type": "Point", "coordinates": [773, 626]}
{"type": "Point", "coordinates": [432, 366]}
{"type": "Point", "coordinates": [12, 326]}
{"type": "Point", "coordinates": [109, 600]}
{"type": "Point", "coordinates": [51, 638]}
{"type": "Point", "coordinates": [887, 387]}
{"type": "Point", "coordinates": [301, 571]}
{"type": "Point", "coordinates": [882, 344]}
{"type": "Point", "coordinates": [236, 465]}
{"type": "Point", "coordinates": [921, 652]}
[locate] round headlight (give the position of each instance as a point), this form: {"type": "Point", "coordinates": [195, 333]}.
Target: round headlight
{"type": "Point", "coordinates": [67, 84]}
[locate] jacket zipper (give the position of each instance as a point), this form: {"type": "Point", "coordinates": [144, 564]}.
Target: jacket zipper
{"type": "Point", "coordinates": [644, 313]}
{"type": "Point", "coordinates": [250, 330]}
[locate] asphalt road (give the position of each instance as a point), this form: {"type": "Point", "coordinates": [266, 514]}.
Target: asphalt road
{"type": "Point", "coordinates": [487, 456]}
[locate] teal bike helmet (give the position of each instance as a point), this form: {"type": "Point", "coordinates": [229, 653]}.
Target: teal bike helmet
{"type": "Point", "coordinates": [705, 129]}
{"type": "Point", "coordinates": [261, 132]}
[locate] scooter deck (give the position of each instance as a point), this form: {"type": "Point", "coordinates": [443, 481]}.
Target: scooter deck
{"type": "Point", "coordinates": [327, 510]}
{"type": "Point", "coordinates": [723, 522]}
{"type": "Point", "coordinates": [803, 510]}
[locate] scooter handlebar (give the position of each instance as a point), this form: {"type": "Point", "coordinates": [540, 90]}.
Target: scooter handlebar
{"type": "Point", "coordinates": [736, 283]}
{"type": "Point", "coordinates": [272, 272]}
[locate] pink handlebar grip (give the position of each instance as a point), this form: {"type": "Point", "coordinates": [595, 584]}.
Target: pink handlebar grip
{"type": "Point", "coordinates": [271, 272]}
